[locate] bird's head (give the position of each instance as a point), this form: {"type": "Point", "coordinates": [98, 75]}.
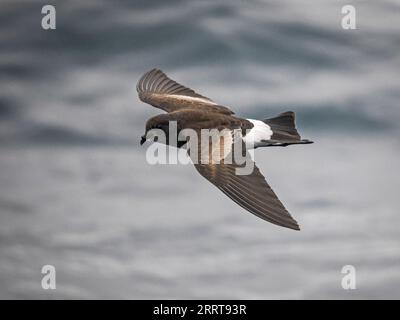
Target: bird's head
{"type": "Point", "coordinates": [153, 127]}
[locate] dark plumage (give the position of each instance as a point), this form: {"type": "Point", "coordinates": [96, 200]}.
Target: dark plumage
{"type": "Point", "coordinates": [192, 110]}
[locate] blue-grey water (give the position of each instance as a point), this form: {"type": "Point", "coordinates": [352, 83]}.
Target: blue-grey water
{"type": "Point", "coordinates": [77, 193]}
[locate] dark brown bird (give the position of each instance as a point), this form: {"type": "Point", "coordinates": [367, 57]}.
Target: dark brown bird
{"type": "Point", "coordinates": [193, 111]}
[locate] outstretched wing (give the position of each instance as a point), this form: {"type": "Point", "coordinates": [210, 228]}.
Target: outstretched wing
{"type": "Point", "coordinates": [156, 89]}
{"type": "Point", "coordinates": [250, 191]}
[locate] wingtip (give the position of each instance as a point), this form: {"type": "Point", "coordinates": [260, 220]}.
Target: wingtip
{"type": "Point", "coordinates": [294, 226]}
{"type": "Point", "coordinates": [140, 83]}
{"type": "Point", "coordinates": [154, 70]}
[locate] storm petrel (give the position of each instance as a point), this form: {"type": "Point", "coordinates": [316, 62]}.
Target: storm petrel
{"type": "Point", "coordinates": [194, 111]}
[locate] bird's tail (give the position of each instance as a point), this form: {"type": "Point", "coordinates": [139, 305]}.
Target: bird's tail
{"type": "Point", "coordinates": [284, 130]}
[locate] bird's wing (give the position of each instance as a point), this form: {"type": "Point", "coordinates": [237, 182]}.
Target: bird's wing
{"type": "Point", "coordinates": [155, 88]}
{"type": "Point", "coordinates": [250, 191]}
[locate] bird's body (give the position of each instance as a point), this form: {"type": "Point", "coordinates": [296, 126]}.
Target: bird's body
{"type": "Point", "coordinates": [193, 111]}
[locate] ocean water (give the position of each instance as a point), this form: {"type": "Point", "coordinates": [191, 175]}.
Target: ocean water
{"type": "Point", "coordinates": [76, 191]}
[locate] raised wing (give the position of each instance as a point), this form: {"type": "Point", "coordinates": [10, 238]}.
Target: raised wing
{"type": "Point", "coordinates": [250, 191]}
{"type": "Point", "coordinates": [156, 89]}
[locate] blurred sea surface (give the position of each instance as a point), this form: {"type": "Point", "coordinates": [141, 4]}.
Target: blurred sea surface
{"type": "Point", "coordinates": [76, 191]}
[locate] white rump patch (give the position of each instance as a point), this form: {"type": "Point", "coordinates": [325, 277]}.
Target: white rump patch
{"type": "Point", "coordinates": [260, 132]}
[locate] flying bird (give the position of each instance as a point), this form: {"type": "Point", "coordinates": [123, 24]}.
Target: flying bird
{"type": "Point", "coordinates": [192, 110]}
